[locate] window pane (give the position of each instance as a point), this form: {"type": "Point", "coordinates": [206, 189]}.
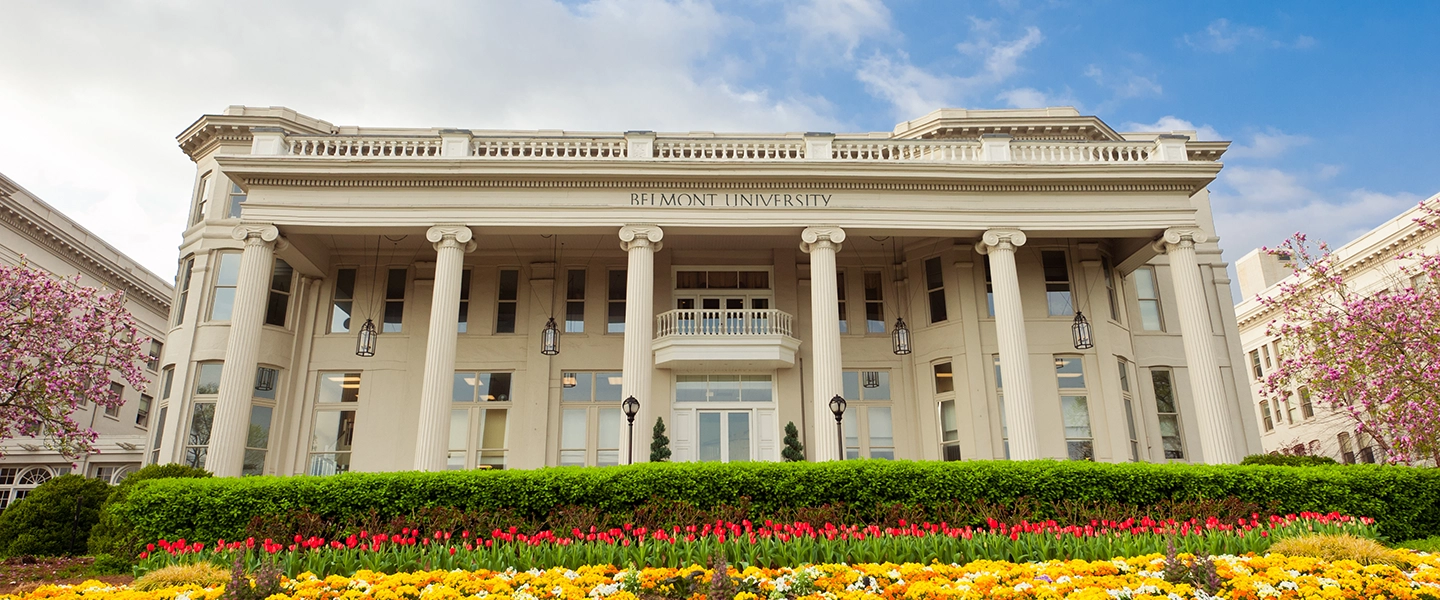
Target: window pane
{"type": "Point", "coordinates": [724, 388]}
{"type": "Point", "coordinates": [937, 306]}
{"type": "Point", "coordinates": [684, 280]}
{"type": "Point", "coordinates": [1150, 315]}
{"type": "Point", "coordinates": [1070, 373]}
{"type": "Point", "coordinates": [881, 392]}
{"type": "Point", "coordinates": [228, 272]}
{"type": "Point", "coordinates": [330, 464]}
{"type": "Point", "coordinates": [333, 431]}
{"type": "Point", "coordinates": [755, 388]}
{"type": "Point", "coordinates": [505, 317]}
{"type": "Point", "coordinates": [881, 428]}
{"type": "Point", "coordinates": [575, 317]}
{"type": "Point", "coordinates": [200, 422]}
{"type": "Point", "coordinates": [934, 274]}
{"type": "Point", "coordinates": [495, 387]}
{"type": "Point", "coordinates": [1130, 418]}
{"type": "Point", "coordinates": [572, 430]}
{"type": "Point", "coordinates": [709, 437]}
{"type": "Point", "coordinates": [509, 288]}
{"type": "Point", "coordinates": [459, 429]}
{"type": "Point", "coordinates": [850, 426]}
{"type": "Point", "coordinates": [572, 458]}
{"type": "Point", "coordinates": [1124, 377]}
{"type": "Point", "coordinates": [949, 422]}
{"type": "Point", "coordinates": [254, 463]}
{"type": "Point", "coordinates": [610, 441]}
{"type": "Point", "coordinates": [1170, 435]}
{"type": "Point", "coordinates": [493, 437]}
{"type": "Point", "coordinates": [339, 387]}
{"type": "Point", "coordinates": [344, 296]}
{"type": "Point", "coordinates": [259, 435]}
{"type": "Point", "coordinates": [1080, 449]}
{"type": "Point", "coordinates": [224, 304]}
{"type": "Point", "coordinates": [723, 280]}
{"type": "Point", "coordinates": [739, 437]}
{"type": "Point", "coordinates": [952, 452]}
{"type": "Point", "coordinates": [579, 389]}
{"type": "Point", "coordinates": [1164, 391]}
{"type": "Point", "coordinates": [394, 317]}
{"type": "Point", "coordinates": [615, 317]}
{"type": "Point", "coordinates": [208, 381]}
{"type": "Point", "coordinates": [617, 284]}
{"type": "Point", "coordinates": [608, 387]}
{"type": "Point", "coordinates": [462, 387]}
{"type": "Point", "coordinates": [944, 379]}
{"type": "Point", "coordinates": [850, 385]}
{"type": "Point", "coordinates": [1145, 284]}
{"type": "Point", "coordinates": [1077, 416]}
{"type": "Point", "coordinates": [690, 388]}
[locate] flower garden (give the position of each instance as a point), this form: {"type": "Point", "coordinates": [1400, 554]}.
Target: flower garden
{"type": "Point", "coordinates": [1174, 532]}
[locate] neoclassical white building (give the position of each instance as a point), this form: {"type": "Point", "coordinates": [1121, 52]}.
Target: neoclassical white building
{"type": "Point", "coordinates": [52, 242]}
{"type": "Point", "coordinates": [1370, 263]}
{"type": "Point", "coordinates": [730, 283]}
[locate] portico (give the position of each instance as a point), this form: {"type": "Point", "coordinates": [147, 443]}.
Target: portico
{"type": "Point", "coordinates": [730, 285]}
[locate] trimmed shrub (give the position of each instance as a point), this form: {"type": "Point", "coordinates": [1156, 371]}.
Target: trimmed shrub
{"type": "Point", "coordinates": [113, 538]}
{"type": "Point", "coordinates": [1405, 501]}
{"type": "Point", "coordinates": [1287, 460]}
{"type": "Point", "coordinates": [54, 519]}
{"type": "Point", "coordinates": [202, 574]}
{"type": "Point", "coordinates": [1339, 547]}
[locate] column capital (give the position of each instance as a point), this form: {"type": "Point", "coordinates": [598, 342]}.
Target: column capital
{"type": "Point", "coordinates": [255, 233]}
{"type": "Point", "coordinates": [1000, 238]}
{"type": "Point", "coordinates": [1178, 236]}
{"type": "Point", "coordinates": [446, 235]}
{"type": "Point", "coordinates": [641, 236]}
{"type": "Point", "coordinates": [820, 236]}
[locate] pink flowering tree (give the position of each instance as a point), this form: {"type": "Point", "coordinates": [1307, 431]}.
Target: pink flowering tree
{"type": "Point", "coordinates": [61, 345]}
{"type": "Point", "coordinates": [1372, 355]}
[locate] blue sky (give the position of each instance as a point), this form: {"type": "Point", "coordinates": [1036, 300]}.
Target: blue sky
{"type": "Point", "coordinates": [1331, 105]}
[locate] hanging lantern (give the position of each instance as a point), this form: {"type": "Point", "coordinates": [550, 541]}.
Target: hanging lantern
{"type": "Point", "coordinates": [265, 379]}
{"type": "Point", "coordinates": [1080, 331]}
{"type": "Point", "coordinates": [870, 379]}
{"type": "Point", "coordinates": [365, 345]}
{"type": "Point", "coordinates": [550, 339]}
{"type": "Point", "coordinates": [901, 337]}
{"type": "Point", "coordinates": [569, 380]}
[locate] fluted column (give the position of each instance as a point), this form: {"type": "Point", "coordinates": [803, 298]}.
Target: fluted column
{"type": "Point", "coordinates": [822, 243]}
{"type": "Point", "coordinates": [641, 242]}
{"type": "Point", "coordinates": [226, 455]}
{"type": "Point", "coordinates": [1000, 245]}
{"type": "Point", "coordinates": [432, 436]}
{"type": "Point", "coordinates": [1217, 441]}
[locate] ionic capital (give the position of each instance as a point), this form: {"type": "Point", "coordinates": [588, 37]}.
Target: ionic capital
{"type": "Point", "coordinates": [1001, 239]}
{"type": "Point", "coordinates": [821, 236]}
{"type": "Point", "coordinates": [641, 236]}
{"type": "Point", "coordinates": [449, 236]}
{"type": "Point", "coordinates": [255, 233]}
{"type": "Point", "coordinates": [1175, 237]}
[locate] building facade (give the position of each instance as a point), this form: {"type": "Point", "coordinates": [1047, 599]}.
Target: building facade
{"type": "Point", "coordinates": [1371, 263]}
{"type": "Point", "coordinates": [50, 241]}
{"type": "Point", "coordinates": [730, 283]}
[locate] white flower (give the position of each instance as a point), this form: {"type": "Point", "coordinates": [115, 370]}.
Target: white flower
{"type": "Point", "coordinates": [1022, 586]}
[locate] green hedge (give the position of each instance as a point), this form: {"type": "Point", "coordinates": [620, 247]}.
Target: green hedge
{"type": "Point", "coordinates": [1405, 501]}
{"type": "Point", "coordinates": [1288, 460]}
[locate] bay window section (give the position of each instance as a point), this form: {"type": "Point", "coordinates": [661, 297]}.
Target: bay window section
{"type": "Point", "coordinates": [944, 379]}
{"type": "Point", "coordinates": [159, 435]}
{"type": "Point", "coordinates": [1148, 294]}
{"type": "Point", "coordinates": [202, 199]}
{"type": "Point", "coordinates": [227, 277]}
{"type": "Point", "coordinates": [869, 431]}
{"type": "Point", "coordinates": [575, 301]}
{"type": "Point", "coordinates": [615, 309]}
{"type": "Point", "coordinates": [343, 304]}
{"type": "Point", "coordinates": [935, 289]}
{"type": "Point", "coordinates": [479, 419]}
{"type": "Point", "coordinates": [874, 303]}
{"type": "Point", "coordinates": [202, 413]}
{"type": "Point", "coordinates": [394, 300]}
{"type": "Point", "coordinates": [237, 198]}
{"type": "Point", "coordinates": [1075, 407]}
{"type": "Point", "coordinates": [184, 289]}
{"type": "Point", "coordinates": [463, 319]}
{"type": "Point", "coordinates": [840, 296]}
{"type": "Point", "coordinates": [278, 305]}
{"type": "Point", "coordinates": [1169, 413]}
{"type": "Point", "coordinates": [332, 436]}
{"type": "Point", "coordinates": [1058, 300]}
{"type": "Point", "coordinates": [1128, 399]}
{"type": "Point", "coordinates": [262, 409]}
{"type": "Point", "coordinates": [507, 299]}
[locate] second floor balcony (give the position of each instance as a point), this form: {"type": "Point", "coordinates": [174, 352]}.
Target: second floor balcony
{"type": "Point", "coordinates": [725, 339]}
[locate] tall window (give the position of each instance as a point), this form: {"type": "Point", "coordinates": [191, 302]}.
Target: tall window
{"type": "Point", "coordinates": [153, 360]}
{"type": "Point", "coordinates": [343, 303]}
{"type": "Point", "coordinates": [202, 413]}
{"type": "Point", "coordinates": [874, 303]}
{"type": "Point", "coordinates": [394, 300]}
{"type": "Point", "coordinates": [507, 297]}
{"type": "Point", "coordinates": [117, 391]}
{"type": "Point", "coordinates": [935, 288]}
{"type": "Point", "coordinates": [237, 197]}
{"type": "Point", "coordinates": [1057, 283]}
{"type": "Point", "coordinates": [1265, 351]}
{"type": "Point", "coordinates": [989, 289]}
{"type": "Point", "coordinates": [615, 312]}
{"type": "Point", "coordinates": [277, 306]}
{"type": "Point", "coordinates": [227, 276]}
{"type": "Point", "coordinates": [1255, 368]}
{"type": "Point", "coordinates": [1128, 399]}
{"type": "Point", "coordinates": [202, 200]}
{"type": "Point", "coordinates": [1075, 407]}
{"type": "Point", "coordinates": [478, 420]}
{"type": "Point", "coordinates": [1265, 415]}
{"type": "Point", "coordinates": [840, 295]}
{"type": "Point", "coordinates": [1110, 290]}
{"type": "Point", "coordinates": [1279, 417]}
{"type": "Point", "coordinates": [1289, 412]}
{"type": "Point", "coordinates": [142, 415]}
{"type": "Point", "coordinates": [590, 425]}
{"type": "Point", "coordinates": [1347, 450]}
{"type": "Point", "coordinates": [1000, 406]}
{"type": "Point", "coordinates": [463, 323]}
{"type": "Point", "coordinates": [262, 410]}
{"type": "Point", "coordinates": [1149, 294]}
{"type": "Point", "coordinates": [159, 435]}
{"type": "Point", "coordinates": [1307, 408]}
{"type": "Point", "coordinates": [944, 378]}
{"type": "Point", "coordinates": [1169, 412]}
{"type": "Point", "coordinates": [869, 431]}
{"type": "Point", "coordinates": [575, 301]}
{"type": "Point", "coordinates": [333, 434]}
{"type": "Point", "coordinates": [184, 280]}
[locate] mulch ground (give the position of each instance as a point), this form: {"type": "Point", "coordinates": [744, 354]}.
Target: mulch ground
{"type": "Point", "coordinates": [24, 573]}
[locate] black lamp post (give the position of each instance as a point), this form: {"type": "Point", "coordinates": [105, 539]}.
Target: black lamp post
{"type": "Point", "coordinates": [1080, 332]}
{"type": "Point", "coordinates": [550, 339]}
{"type": "Point", "coordinates": [837, 406]}
{"type": "Point", "coordinates": [631, 406]}
{"type": "Point", "coordinates": [365, 345]}
{"type": "Point", "coordinates": [901, 337]}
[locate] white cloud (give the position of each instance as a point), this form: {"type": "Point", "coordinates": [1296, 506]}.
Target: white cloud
{"type": "Point", "coordinates": [1169, 123]}
{"type": "Point", "coordinates": [1222, 36]}
{"type": "Point", "coordinates": [1126, 84]}
{"type": "Point", "coordinates": [1027, 97]}
{"type": "Point", "coordinates": [828, 25]}
{"type": "Point", "coordinates": [913, 91]}
{"type": "Point", "coordinates": [95, 93]}
{"type": "Point", "coordinates": [1268, 144]}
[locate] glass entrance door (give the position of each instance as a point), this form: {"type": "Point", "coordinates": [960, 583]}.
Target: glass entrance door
{"type": "Point", "coordinates": [723, 435]}
{"type": "Point", "coordinates": [723, 315]}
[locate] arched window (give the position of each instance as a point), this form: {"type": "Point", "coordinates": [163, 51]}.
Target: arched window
{"type": "Point", "coordinates": [17, 482]}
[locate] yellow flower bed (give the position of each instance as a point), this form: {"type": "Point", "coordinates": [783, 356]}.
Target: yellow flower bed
{"type": "Point", "coordinates": [1268, 577]}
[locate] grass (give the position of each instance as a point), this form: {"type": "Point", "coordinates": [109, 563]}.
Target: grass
{"type": "Point", "coordinates": [1430, 544]}
{"type": "Point", "coordinates": [1340, 547]}
{"type": "Point", "coordinates": [201, 574]}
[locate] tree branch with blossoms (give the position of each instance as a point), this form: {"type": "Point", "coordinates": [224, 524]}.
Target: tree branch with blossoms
{"type": "Point", "coordinates": [61, 345]}
{"type": "Point", "coordinates": [1371, 354]}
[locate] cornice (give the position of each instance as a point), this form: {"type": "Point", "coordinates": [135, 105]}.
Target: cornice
{"type": "Point", "coordinates": [209, 131]}
{"type": "Point", "coordinates": [710, 185]}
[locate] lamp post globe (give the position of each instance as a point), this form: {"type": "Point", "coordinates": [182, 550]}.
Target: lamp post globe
{"type": "Point", "coordinates": [837, 407]}
{"type": "Point", "coordinates": [631, 407]}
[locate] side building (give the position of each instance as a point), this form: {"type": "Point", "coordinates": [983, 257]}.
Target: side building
{"type": "Point", "coordinates": [375, 299]}
{"type": "Point", "coordinates": [1369, 264]}
{"type": "Point", "coordinates": [50, 241]}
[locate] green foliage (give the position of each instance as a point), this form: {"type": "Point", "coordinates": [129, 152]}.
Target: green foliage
{"type": "Point", "coordinates": [794, 451]}
{"type": "Point", "coordinates": [659, 444]}
{"type": "Point", "coordinates": [114, 538]}
{"type": "Point", "coordinates": [1430, 544]}
{"type": "Point", "coordinates": [1405, 501]}
{"type": "Point", "coordinates": [55, 519]}
{"type": "Point", "coordinates": [1287, 460]}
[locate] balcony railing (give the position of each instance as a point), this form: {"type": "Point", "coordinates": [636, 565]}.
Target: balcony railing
{"type": "Point", "coordinates": [723, 322]}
